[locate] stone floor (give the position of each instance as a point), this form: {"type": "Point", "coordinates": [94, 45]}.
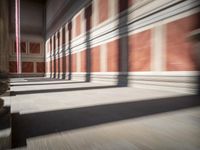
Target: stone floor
{"type": "Point", "coordinates": [74, 115]}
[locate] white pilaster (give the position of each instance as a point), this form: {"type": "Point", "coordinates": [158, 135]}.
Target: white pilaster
{"type": "Point", "coordinates": [52, 44]}
{"type": "Point", "coordinates": [60, 39]}
{"type": "Point", "coordinates": [78, 62]}
{"type": "Point", "coordinates": [158, 49]}
{"type": "Point", "coordinates": [56, 42]}
{"type": "Point", "coordinates": [112, 8]}
{"type": "Point", "coordinates": [103, 58]}
{"type": "Point", "coordinates": [82, 23]}
{"type": "Point", "coordinates": [73, 28]}
{"type": "Point", "coordinates": [95, 10]}
{"type": "Point", "coordinates": [66, 34]}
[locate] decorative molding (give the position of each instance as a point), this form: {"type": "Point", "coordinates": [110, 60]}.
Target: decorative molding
{"type": "Point", "coordinates": [103, 58]}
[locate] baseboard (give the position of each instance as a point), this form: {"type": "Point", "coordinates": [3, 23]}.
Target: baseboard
{"type": "Point", "coordinates": [170, 81]}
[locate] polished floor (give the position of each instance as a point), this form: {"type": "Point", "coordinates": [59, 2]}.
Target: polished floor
{"type": "Point", "coordinates": [73, 115]}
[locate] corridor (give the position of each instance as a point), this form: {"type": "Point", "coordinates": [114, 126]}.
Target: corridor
{"type": "Point", "coordinates": [73, 115]}
{"type": "Point", "coordinates": [100, 74]}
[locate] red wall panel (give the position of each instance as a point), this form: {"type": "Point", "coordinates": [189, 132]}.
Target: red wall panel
{"type": "Point", "coordinates": [12, 66]}
{"type": "Point", "coordinates": [180, 55]}
{"type": "Point", "coordinates": [112, 54]}
{"type": "Point", "coordinates": [140, 51]}
{"type": "Point", "coordinates": [34, 48]}
{"type": "Point", "coordinates": [131, 2]}
{"type": "Point", "coordinates": [40, 67]}
{"type": "Point", "coordinates": [23, 47]}
{"type": "Point", "coordinates": [83, 61]}
{"type": "Point", "coordinates": [95, 59]}
{"type": "Point", "coordinates": [103, 10]}
{"type": "Point", "coordinates": [27, 67]}
{"type": "Point", "coordinates": [78, 25]}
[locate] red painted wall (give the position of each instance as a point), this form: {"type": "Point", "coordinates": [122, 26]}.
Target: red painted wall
{"type": "Point", "coordinates": [103, 10]}
{"type": "Point", "coordinates": [95, 59]}
{"type": "Point", "coordinates": [23, 47]}
{"type": "Point", "coordinates": [47, 67]}
{"type": "Point", "coordinates": [27, 67]}
{"type": "Point", "coordinates": [83, 61]}
{"type": "Point", "coordinates": [140, 51]}
{"type": "Point", "coordinates": [179, 48]}
{"type": "Point", "coordinates": [40, 67]}
{"type": "Point", "coordinates": [67, 63]}
{"type": "Point", "coordinates": [12, 66]}
{"type": "Point", "coordinates": [78, 25]}
{"type": "Point", "coordinates": [34, 48]}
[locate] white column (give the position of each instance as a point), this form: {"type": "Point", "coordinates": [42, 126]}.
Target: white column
{"type": "Point", "coordinates": [60, 39]}
{"type": "Point", "coordinates": [95, 10]}
{"type": "Point", "coordinates": [73, 28]}
{"type": "Point", "coordinates": [66, 34]}
{"type": "Point", "coordinates": [18, 42]}
{"type": "Point", "coordinates": [78, 62]}
{"type": "Point", "coordinates": [56, 43]}
{"type": "Point", "coordinates": [112, 7]}
{"type": "Point", "coordinates": [82, 21]}
{"type": "Point", "coordinates": [103, 58]}
{"type": "Point", "coordinates": [52, 44]}
{"type": "Point", "coordinates": [158, 49]}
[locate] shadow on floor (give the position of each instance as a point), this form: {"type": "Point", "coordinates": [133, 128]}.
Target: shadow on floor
{"type": "Point", "coordinates": [32, 84]}
{"type": "Point", "coordinates": [42, 79]}
{"type": "Point", "coordinates": [37, 124]}
{"type": "Point", "coordinates": [14, 93]}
